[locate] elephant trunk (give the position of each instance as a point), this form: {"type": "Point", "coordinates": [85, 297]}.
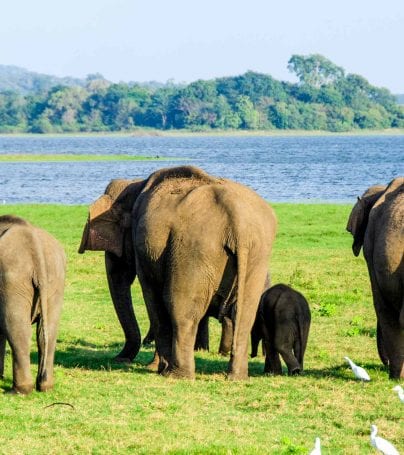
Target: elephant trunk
{"type": "Point", "coordinates": [84, 239]}
{"type": "Point", "coordinates": [120, 277]}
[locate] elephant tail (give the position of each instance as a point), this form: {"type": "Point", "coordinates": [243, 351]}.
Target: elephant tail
{"type": "Point", "coordinates": [41, 311]}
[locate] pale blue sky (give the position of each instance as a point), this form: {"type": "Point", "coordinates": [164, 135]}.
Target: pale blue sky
{"type": "Point", "coordinates": [186, 40]}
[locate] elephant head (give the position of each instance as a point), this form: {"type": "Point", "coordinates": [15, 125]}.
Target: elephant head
{"type": "Point", "coordinates": [108, 229]}
{"type": "Point", "coordinates": [110, 217]}
{"type": "Point", "coordinates": [359, 216]}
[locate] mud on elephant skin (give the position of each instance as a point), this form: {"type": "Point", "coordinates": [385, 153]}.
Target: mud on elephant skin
{"type": "Point", "coordinates": [32, 274]}
{"type": "Point", "coordinates": [283, 323]}
{"type": "Point", "coordinates": [377, 224]}
{"type": "Point", "coordinates": [197, 241]}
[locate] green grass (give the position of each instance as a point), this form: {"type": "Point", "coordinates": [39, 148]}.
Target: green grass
{"type": "Point", "coordinates": [71, 157]}
{"type": "Point", "coordinates": [126, 409]}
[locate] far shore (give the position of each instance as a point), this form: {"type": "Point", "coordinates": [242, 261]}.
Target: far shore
{"type": "Point", "coordinates": [145, 132]}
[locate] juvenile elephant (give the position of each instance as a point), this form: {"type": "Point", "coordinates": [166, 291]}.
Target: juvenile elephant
{"type": "Point", "coordinates": [283, 322]}
{"type": "Point", "coordinates": [32, 274]}
{"type": "Point", "coordinates": [377, 223]}
{"type": "Point", "coordinates": [200, 243]}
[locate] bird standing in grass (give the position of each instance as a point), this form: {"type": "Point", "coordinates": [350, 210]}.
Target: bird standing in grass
{"type": "Point", "coordinates": [317, 447]}
{"type": "Point", "coordinates": [359, 372]}
{"type": "Point", "coordinates": [381, 444]}
{"type": "Point", "coordinates": [400, 392]}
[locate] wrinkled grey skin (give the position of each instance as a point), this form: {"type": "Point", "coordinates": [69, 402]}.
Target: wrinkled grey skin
{"type": "Point", "coordinates": [120, 265]}
{"type": "Point", "coordinates": [377, 223]}
{"type": "Point", "coordinates": [283, 322]}
{"type": "Point", "coordinates": [32, 275]}
{"type": "Point", "coordinates": [200, 244]}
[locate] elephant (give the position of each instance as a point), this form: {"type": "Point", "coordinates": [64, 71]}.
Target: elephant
{"type": "Point", "coordinates": [120, 264]}
{"type": "Point", "coordinates": [32, 276]}
{"type": "Point", "coordinates": [200, 245]}
{"type": "Point", "coordinates": [283, 323]}
{"type": "Point", "coordinates": [376, 223]}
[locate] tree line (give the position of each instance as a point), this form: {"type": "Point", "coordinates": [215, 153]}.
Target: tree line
{"type": "Point", "coordinates": [324, 98]}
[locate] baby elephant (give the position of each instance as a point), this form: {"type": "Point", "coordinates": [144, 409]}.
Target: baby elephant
{"type": "Point", "coordinates": [283, 322]}
{"type": "Point", "coordinates": [32, 275]}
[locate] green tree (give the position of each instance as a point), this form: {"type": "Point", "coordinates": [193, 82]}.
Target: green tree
{"type": "Point", "coordinates": [315, 70]}
{"type": "Point", "coordinates": [248, 115]}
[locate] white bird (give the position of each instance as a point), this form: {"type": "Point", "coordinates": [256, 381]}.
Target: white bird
{"type": "Point", "coordinates": [381, 444]}
{"type": "Point", "coordinates": [317, 447]}
{"type": "Point", "coordinates": [359, 372]}
{"type": "Point", "coordinates": [400, 392]}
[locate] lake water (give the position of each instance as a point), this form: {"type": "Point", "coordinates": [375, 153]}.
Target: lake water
{"type": "Point", "coordinates": [293, 169]}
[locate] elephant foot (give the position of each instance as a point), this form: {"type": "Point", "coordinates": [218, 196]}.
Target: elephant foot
{"type": "Point", "coordinates": [21, 389]}
{"type": "Point", "coordinates": [128, 353]}
{"type": "Point", "coordinates": [177, 373]}
{"type": "Point", "coordinates": [44, 386]}
{"type": "Point", "coordinates": [294, 372]}
{"type": "Point", "coordinates": [396, 373]}
{"type": "Point", "coordinates": [237, 376]}
{"type": "Point", "coordinates": [273, 371]}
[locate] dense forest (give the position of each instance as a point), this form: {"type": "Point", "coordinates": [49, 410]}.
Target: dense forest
{"type": "Point", "coordinates": [324, 98]}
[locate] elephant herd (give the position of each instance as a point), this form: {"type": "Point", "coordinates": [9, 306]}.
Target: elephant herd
{"type": "Point", "coordinates": [200, 247]}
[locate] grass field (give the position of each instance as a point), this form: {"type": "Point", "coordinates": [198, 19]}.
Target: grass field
{"type": "Point", "coordinates": [127, 409]}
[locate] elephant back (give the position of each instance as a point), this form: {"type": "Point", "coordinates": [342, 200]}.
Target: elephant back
{"type": "Point", "coordinates": [394, 190]}
{"type": "Point", "coordinates": [192, 173]}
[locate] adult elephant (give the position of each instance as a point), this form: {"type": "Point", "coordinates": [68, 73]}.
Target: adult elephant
{"type": "Point", "coordinates": [201, 246]}
{"type": "Point", "coordinates": [377, 223]}
{"type": "Point", "coordinates": [112, 233]}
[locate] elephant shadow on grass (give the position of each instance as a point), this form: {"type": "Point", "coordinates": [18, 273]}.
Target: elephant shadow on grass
{"type": "Point", "coordinates": [82, 354]}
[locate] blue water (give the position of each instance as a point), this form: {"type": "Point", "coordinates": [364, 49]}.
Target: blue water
{"type": "Point", "coordinates": [294, 169]}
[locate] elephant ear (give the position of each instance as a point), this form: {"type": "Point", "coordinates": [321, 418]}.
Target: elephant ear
{"type": "Point", "coordinates": [357, 223]}
{"type": "Point", "coordinates": [359, 216]}
{"type": "Point", "coordinates": [104, 230]}
{"type": "Point", "coordinates": [110, 217]}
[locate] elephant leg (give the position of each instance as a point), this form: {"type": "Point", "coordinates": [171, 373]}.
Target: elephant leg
{"type": "Point", "coordinates": [149, 338]}
{"type": "Point", "coordinates": [392, 335]}
{"type": "Point", "coordinates": [256, 335]}
{"type": "Point", "coordinates": [184, 335]}
{"type": "Point", "coordinates": [245, 313]}
{"type": "Point", "coordinates": [393, 344]}
{"type": "Point", "coordinates": [227, 336]}
{"type": "Point", "coordinates": [292, 363]}
{"type": "Point", "coordinates": [160, 324]}
{"type": "Point", "coordinates": [120, 276]}
{"type": "Point", "coordinates": [2, 353]}
{"type": "Point", "coordinates": [18, 332]}
{"type": "Point", "coordinates": [298, 354]}
{"type": "Point", "coordinates": [45, 381]}
{"type": "Point", "coordinates": [202, 336]}
{"type": "Point", "coordinates": [380, 345]}
{"type": "Point", "coordinates": [272, 360]}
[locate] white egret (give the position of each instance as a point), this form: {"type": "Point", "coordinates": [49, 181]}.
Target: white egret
{"type": "Point", "coordinates": [381, 444]}
{"type": "Point", "coordinates": [317, 447]}
{"type": "Point", "coordinates": [400, 392]}
{"type": "Point", "coordinates": [358, 371]}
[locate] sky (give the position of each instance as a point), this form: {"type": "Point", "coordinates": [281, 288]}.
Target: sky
{"type": "Point", "coordinates": [187, 40]}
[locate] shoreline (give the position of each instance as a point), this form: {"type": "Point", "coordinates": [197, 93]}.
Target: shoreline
{"type": "Point", "coordinates": [213, 133]}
